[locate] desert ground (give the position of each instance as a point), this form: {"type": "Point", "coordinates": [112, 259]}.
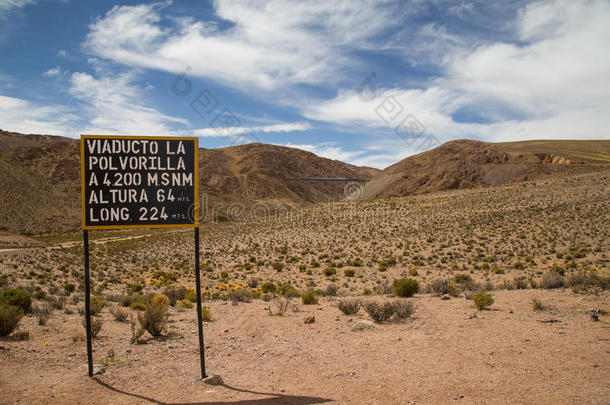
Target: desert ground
{"type": "Point", "coordinates": [539, 248]}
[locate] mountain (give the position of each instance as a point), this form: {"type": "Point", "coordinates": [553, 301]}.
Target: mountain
{"type": "Point", "coordinates": [262, 172]}
{"type": "Point", "coordinates": [40, 179]}
{"type": "Point", "coordinates": [466, 163]}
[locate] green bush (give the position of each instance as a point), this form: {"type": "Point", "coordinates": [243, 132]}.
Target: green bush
{"type": "Point", "coordinates": [185, 304]}
{"type": "Point", "coordinates": [268, 287]}
{"type": "Point", "coordinates": [287, 290]}
{"type": "Point", "coordinates": [40, 294]}
{"type": "Point", "coordinates": [462, 278]}
{"type": "Point", "coordinates": [206, 314]}
{"type": "Point", "coordinates": [277, 266]}
{"type": "Point", "coordinates": [9, 318]}
{"type": "Point", "coordinates": [191, 295]}
{"type": "Point", "coordinates": [138, 306]}
{"type": "Point", "coordinates": [96, 304]}
{"type": "Point", "coordinates": [135, 287]}
{"type": "Point", "coordinates": [453, 289]}
{"type": "Point", "coordinates": [309, 298]}
{"type": "Point", "coordinates": [330, 271]}
{"type": "Point", "coordinates": [349, 273]}
{"type": "Point", "coordinates": [17, 297]}
{"type": "Point", "coordinates": [405, 287]}
{"type": "Point", "coordinates": [482, 300]}
{"type": "Point", "coordinates": [154, 318]}
{"type": "Point", "coordinates": [69, 288]}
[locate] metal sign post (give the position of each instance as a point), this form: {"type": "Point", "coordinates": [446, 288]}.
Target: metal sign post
{"type": "Point", "coordinates": [88, 302]}
{"type": "Point", "coordinates": [199, 315]}
{"type": "Point", "coordinates": [139, 182]}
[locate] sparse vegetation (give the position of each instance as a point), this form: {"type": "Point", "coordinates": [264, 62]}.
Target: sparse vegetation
{"type": "Point", "coordinates": [537, 304]}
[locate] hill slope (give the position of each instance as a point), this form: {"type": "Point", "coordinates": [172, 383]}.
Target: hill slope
{"type": "Point", "coordinates": [465, 164]}
{"type": "Point", "coordinates": [40, 179]}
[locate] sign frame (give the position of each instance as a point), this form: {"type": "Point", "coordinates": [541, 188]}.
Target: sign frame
{"type": "Point", "coordinates": [194, 225]}
{"type": "Point", "coordinates": [195, 204]}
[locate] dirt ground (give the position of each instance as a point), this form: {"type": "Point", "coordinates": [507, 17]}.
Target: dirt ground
{"type": "Point", "coordinates": [509, 354]}
{"type": "Point", "coordinates": [511, 241]}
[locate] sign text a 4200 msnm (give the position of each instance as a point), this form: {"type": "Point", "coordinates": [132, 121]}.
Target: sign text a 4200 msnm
{"type": "Point", "coordinates": [139, 182]}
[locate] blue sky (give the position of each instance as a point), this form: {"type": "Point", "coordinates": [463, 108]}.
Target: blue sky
{"type": "Point", "coordinates": [367, 82]}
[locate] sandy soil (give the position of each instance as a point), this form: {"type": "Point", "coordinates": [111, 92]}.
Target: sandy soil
{"type": "Point", "coordinates": [509, 354]}
{"type": "Point", "coordinates": [501, 238]}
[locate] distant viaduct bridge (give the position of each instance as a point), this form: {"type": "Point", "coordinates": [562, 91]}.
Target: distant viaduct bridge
{"type": "Point", "coordinates": [351, 191]}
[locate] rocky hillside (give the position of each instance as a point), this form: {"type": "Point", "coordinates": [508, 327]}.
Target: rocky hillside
{"type": "Point", "coordinates": [465, 164]}
{"type": "Point", "coordinates": [40, 179]}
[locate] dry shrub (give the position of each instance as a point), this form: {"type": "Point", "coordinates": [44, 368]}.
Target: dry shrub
{"type": "Point", "coordinates": [241, 295]}
{"type": "Point", "coordinates": [42, 312]}
{"type": "Point", "coordinates": [206, 314]}
{"type": "Point", "coordinates": [403, 309]}
{"type": "Point", "coordinates": [154, 318]}
{"type": "Point", "coordinates": [397, 310]}
{"type": "Point", "coordinates": [175, 294]}
{"type": "Point", "coordinates": [552, 279]}
{"type": "Point", "coordinates": [96, 325]}
{"type": "Point", "coordinates": [278, 306]}
{"type": "Point", "coordinates": [537, 304]}
{"type": "Point", "coordinates": [349, 307]}
{"type": "Point", "coordinates": [57, 302]}
{"type": "Point", "coordinates": [439, 287]}
{"type": "Point", "coordinates": [136, 330]}
{"type": "Point", "coordinates": [120, 314]}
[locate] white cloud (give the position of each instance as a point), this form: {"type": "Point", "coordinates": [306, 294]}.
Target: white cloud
{"type": "Point", "coordinates": [23, 116]}
{"type": "Point", "coordinates": [53, 72]}
{"type": "Point", "coordinates": [328, 150]}
{"type": "Point", "coordinates": [284, 127]}
{"type": "Point", "coordinates": [271, 44]}
{"type": "Point", "coordinates": [62, 53]}
{"type": "Point", "coordinates": [9, 5]}
{"type": "Point", "coordinates": [116, 105]}
{"type": "Point", "coordinates": [554, 85]}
